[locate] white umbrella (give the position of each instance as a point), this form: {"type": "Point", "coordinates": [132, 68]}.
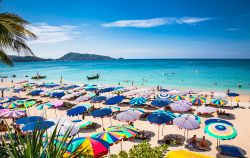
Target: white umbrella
{"type": "Point", "coordinates": [180, 106]}
{"type": "Point", "coordinates": [206, 110]}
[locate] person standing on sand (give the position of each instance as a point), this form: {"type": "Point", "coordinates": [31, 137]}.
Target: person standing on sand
{"type": "Point", "coordinates": [2, 94]}
{"type": "Point", "coordinates": [228, 90]}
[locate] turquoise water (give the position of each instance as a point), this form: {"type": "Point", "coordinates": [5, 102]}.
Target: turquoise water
{"type": "Point", "coordinates": [179, 73]}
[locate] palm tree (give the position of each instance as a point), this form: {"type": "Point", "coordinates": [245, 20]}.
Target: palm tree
{"type": "Point", "coordinates": [13, 36]}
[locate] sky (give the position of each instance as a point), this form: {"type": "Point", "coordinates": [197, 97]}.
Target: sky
{"type": "Point", "coordinates": [137, 28]}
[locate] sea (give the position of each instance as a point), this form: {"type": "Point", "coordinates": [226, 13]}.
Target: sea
{"type": "Point", "coordinates": [183, 74]}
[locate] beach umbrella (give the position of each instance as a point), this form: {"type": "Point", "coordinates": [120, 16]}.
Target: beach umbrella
{"type": "Point", "coordinates": [36, 92]}
{"type": "Point", "coordinates": [4, 88]}
{"type": "Point", "coordinates": [192, 116]}
{"type": "Point", "coordinates": [164, 95]}
{"type": "Point", "coordinates": [95, 147]}
{"type": "Point", "coordinates": [42, 106]}
{"type": "Point", "coordinates": [174, 92]}
{"type": "Point", "coordinates": [187, 123]}
{"type": "Point", "coordinates": [220, 131]}
{"type": "Point", "coordinates": [177, 97]}
{"type": "Point", "coordinates": [83, 98]}
{"type": "Point", "coordinates": [69, 87]}
{"type": "Point", "coordinates": [169, 113]}
{"type": "Point", "coordinates": [185, 154]}
{"type": "Point", "coordinates": [62, 121]}
{"type": "Point", "coordinates": [61, 130]}
{"type": "Point", "coordinates": [220, 95]}
{"type": "Point", "coordinates": [87, 106]}
{"type": "Point", "coordinates": [127, 116]}
{"type": "Point", "coordinates": [12, 105]}
{"type": "Point", "coordinates": [1, 107]}
{"type": "Point", "coordinates": [13, 114]}
{"type": "Point", "coordinates": [160, 102]}
{"type": "Point", "coordinates": [40, 125]}
{"type": "Point", "coordinates": [57, 103]}
{"type": "Point", "coordinates": [111, 136]}
{"type": "Point", "coordinates": [205, 93]}
{"type": "Point", "coordinates": [108, 89]}
{"type": "Point", "coordinates": [232, 95]}
{"type": "Point", "coordinates": [206, 110]}
{"type": "Point", "coordinates": [26, 120]}
{"type": "Point", "coordinates": [28, 104]}
{"type": "Point", "coordinates": [98, 99]}
{"type": "Point", "coordinates": [102, 113]}
{"type": "Point", "coordinates": [140, 111]}
{"type": "Point", "coordinates": [57, 94]}
{"type": "Point", "coordinates": [114, 107]}
{"type": "Point", "coordinates": [129, 131]}
{"type": "Point", "coordinates": [219, 101]}
{"type": "Point", "coordinates": [138, 101]}
{"type": "Point", "coordinates": [76, 111]}
{"type": "Point", "coordinates": [208, 121]}
{"type": "Point", "coordinates": [197, 100]}
{"type": "Point", "coordinates": [180, 106]}
{"type": "Point", "coordinates": [114, 100]}
{"type": "Point", "coordinates": [159, 118]}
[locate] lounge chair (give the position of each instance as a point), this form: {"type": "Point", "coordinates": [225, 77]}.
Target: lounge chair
{"type": "Point", "coordinates": [142, 135]}
{"type": "Point", "coordinates": [230, 151]}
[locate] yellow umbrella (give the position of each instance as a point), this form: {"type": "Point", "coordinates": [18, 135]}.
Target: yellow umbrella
{"type": "Point", "coordinates": [185, 154]}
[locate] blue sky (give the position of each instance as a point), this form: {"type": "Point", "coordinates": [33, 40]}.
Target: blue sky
{"type": "Point", "coordinates": [138, 28]}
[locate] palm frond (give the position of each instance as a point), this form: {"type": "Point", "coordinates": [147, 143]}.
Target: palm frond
{"type": "Point", "coordinates": [4, 58]}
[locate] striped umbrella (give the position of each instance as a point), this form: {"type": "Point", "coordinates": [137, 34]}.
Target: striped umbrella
{"type": "Point", "coordinates": [127, 116]}
{"type": "Point", "coordinates": [13, 114]}
{"type": "Point", "coordinates": [197, 100]}
{"type": "Point", "coordinates": [111, 136]}
{"type": "Point", "coordinates": [11, 105]}
{"type": "Point", "coordinates": [219, 101]}
{"type": "Point", "coordinates": [220, 131]}
{"type": "Point", "coordinates": [42, 106]}
{"type": "Point", "coordinates": [129, 131]}
{"type": "Point", "coordinates": [95, 147]}
{"type": "Point", "coordinates": [177, 97]}
{"type": "Point", "coordinates": [138, 101]}
{"type": "Point", "coordinates": [164, 95]}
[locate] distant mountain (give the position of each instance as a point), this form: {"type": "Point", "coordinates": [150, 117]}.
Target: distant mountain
{"type": "Point", "coordinates": [78, 56]}
{"type": "Point", "coordinates": [69, 56]}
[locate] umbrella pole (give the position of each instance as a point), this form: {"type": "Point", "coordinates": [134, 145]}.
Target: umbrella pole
{"type": "Point", "coordinates": [110, 121]}
{"type": "Point", "coordinates": [102, 123]}
{"type": "Point", "coordinates": [55, 112]}
{"type": "Point", "coordinates": [121, 145]}
{"type": "Point", "coordinates": [187, 134]}
{"type": "Point", "coordinates": [162, 130]}
{"type": "Point", "coordinates": [158, 132]}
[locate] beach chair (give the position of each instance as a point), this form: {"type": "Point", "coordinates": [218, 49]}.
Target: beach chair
{"type": "Point", "coordinates": [230, 151]}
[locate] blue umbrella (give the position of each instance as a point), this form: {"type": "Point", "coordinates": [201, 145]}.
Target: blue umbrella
{"type": "Point", "coordinates": [58, 94]}
{"type": "Point", "coordinates": [14, 98]}
{"type": "Point", "coordinates": [109, 89]}
{"type": "Point", "coordinates": [217, 121]}
{"type": "Point", "coordinates": [3, 88]}
{"type": "Point", "coordinates": [70, 87]}
{"type": "Point", "coordinates": [102, 113]}
{"type": "Point", "coordinates": [232, 94]}
{"type": "Point", "coordinates": [159, 118]}
{"type": "Point", "coordinates": [17, 90]}
{"type": "Point", "coordinates": [114, 100]}
{"type": "Point", "coordinates": [98, 99]}
{"type": "Point", "coordinates": [36, 92]}
{"type": "Point", "coordinates": [169, 113]}
{"type": "Point", "coordinates": [1, 107]}
{"type": "Point", "coordinates": [26, 120]}
{"type": "Point", "coordinates": [138, 101]}
{"type": "Point", "coordinates": [160, 102]}
{"type": "Point", "coordinates": [41, 125]}
{"type": "Point", "coordinates": [90, 88]}
{"type": "Point", "coordinates": [76, 111]}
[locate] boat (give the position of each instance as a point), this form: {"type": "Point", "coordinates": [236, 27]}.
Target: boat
{"type": "Point", "coordinates": [4, 76]}
{"type": "Point", "coordinates": [93, 77]}
{"type": "Point", "coordinates": [38, 77]}
{"type": "Point", "coordinates": [13, 75]}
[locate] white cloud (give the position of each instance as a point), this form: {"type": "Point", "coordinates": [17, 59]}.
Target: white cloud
{"type": "Point", "coordinates": [52, 34]}
{"type": "Point", "coordinates": [147, 23]}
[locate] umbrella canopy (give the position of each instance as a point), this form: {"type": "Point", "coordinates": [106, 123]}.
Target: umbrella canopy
{"type": "Point", "coordinates": [28, 104]}
{"type": "Point", "coordinates": [174, 91]}
{"type": "Point", "coordinates": [127, 116]}
{"type": "Point", "coordinates": [108, 89]}
{"type": "Point", "coordinates": [26, 120]}
{"type": "Point", "coordinates": [208, 121]}
{"type": "Point", "coordinates": [160, 102]}
{"type": "Point", "coordinates": [197, 100]}
{"type": "Point", "coordinates": [11, 105]}
{"type": "Point", "coordinates": [98, 99]}
{"type": "Point", "coordinates": [83, 98]}
{"type": "Point", "coordinates": [138, 101]}
{"type": "Point", "coordinates": [140, 111]}
{"type": "Point", "coordinates": [221, 131]}
{"type": "Point", "coordinates": [163, 95]}
{"type": "Point", "coordinates": [169, 113]}
{"type": "Point", "coordinates": [114, 100]}
{"type": "Point", "coordinates": [129, 131]}
{"type": "Point", "coordinates": [57, 94]}
{"type": "Point", "coordinates": [36, 92]}
{"type": "Point", "coordinates": [206, 110]}
{"type": "Point", "coordinates": [101, 112]}
{"type": "Point", "coordinates": [177, 97]}
{"type": "Point", "coordinates": [232, 94]}
{"type": "Point", "coordinates": [61, 130]}
{"type": "Point", "coordinates": [185, 154]}
{"type": "Point", "coordinates": [192, 116]}
{"type": "Point", "coordinates": [159, 118]}
{"type": "Point", "coordinates": [13, 114]}
{"type": "Point", "coordinates": [219, 101]}
{"type": "Point", "coordinates": [111, 136]}
{"type": "Point", "coordinates": [76, 111]}
{"type": "Point", "coordinates": [180, 106]}
{"type": "Point", "coordinates": [220, 95]}
{"type": "Point", "coordinates": [186, 122]}
{"type": "Point", "coordinates": [42, 106]}
{"type": "Point", "coordinates": [40, 125]}
{"type": "Point", "coordinates": [95, 147]}
{"type": "Point", "coordinates": [114, 107]}
{"type": "Point", "coordinates": [3, 88]}
{"type": "Point", "coordinates": [1, 107]}
{"type": "Point", "coordinates": [57, 103]}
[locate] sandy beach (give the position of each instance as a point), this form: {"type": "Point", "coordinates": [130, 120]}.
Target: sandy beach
{"type": "Point", "coordinates": [240, 120]}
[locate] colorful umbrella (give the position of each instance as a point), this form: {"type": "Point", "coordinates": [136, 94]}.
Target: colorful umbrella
{"type": "Point", "coordinates": [197, 100]}
{"type": "Point", "coordinates": [185, 154]}
{"type": "Point", "coordinates": [111, 136]}
{"type": "Point", "coordinates": [42, 106]}
{"type": "Point", "coordinates": [95, 147]}
{"type": "Point", "coordinates": [208, 121]}
{"type": "Point", "coordinates": [138, 101]}
{"type": "Point", "coordinates": [221, 131]}
{"type": "Point", "coordinates": [160, 102]}
{"type": "Point", "coordinates": [219, 102]}
{"type": "Point", "coordinates": [128, 116]}
{"type": "Point", "coordinates": [177, 97]}
{"type": "Point", "coordinates": [129, 131]}
{"type": "Point", "coordinates": [13, 114]}
{"type": "Point", "coordinates": [11, 105]}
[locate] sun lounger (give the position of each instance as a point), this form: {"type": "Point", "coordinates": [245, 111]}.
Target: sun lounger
{"type": "Point", "coordinates": [230, 151]}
